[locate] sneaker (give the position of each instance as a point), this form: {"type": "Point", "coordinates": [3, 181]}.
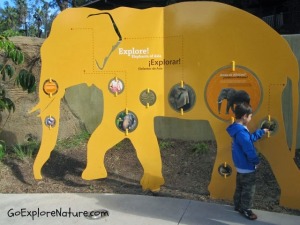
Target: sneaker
{"type": "Point", "coordinates": [237, 208]}
{"type": "Point", "coordinates": [248, 214]}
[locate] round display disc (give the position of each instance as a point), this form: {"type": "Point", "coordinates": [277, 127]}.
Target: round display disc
{"type": "Point", "coordinates": [116, 86]}
{"type": "Point", "coordinates": [50, 87]}
{"type": "Point", "coordinates": [50, 121]}
{"type": "Point", "coordinates": [148, 97]}
{"type": "Point", "coordinates": [182, 97]}
{"type": "Point", "coordinates": [225, 170]}
{"type": "Point", "coordinates": [126, 121]}
{"type": "Point", "coordinates": [226, 88]}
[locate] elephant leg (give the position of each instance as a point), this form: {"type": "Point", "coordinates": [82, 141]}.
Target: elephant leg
{"type": "Point", "coordinates": [231, 107]}
{"type": "Point", "coordinates": [285, 170]}
{"type": "Point", "coordinates": [222, 187]}
{"type": "Point", "coordinates": [280, 157]}
{"type": "Point", "coordinates": [276, 149]}
{"type": "Point", "coordinates": [148, 153]}
{"type": "Point", "coordinates": [49, 137]}
{"type": "Point", "coordinates": [228, 106]}
{"type": "Point", "coordinates": [99, 143]}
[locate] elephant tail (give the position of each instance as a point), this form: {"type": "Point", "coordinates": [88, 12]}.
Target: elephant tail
{"type": "Point", "coordinates": [295, 94]}
{"type": "Point", "coordinates": [292, 72]}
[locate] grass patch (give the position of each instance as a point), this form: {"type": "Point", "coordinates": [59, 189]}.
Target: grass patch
{"type": "Point", "coordinates": [73, 141]}
{"type": "Point", "coordinates": [200, 148]}
{"type": "Point", "coordinates": [165, 144]}
{"type": "Point", "coordinates": [27, 150]}
{"type": "Point", "coordinates": [2, 149]}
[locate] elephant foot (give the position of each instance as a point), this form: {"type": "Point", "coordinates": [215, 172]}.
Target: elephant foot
{"type": "Point", "coordinates": [94, 174]}
{"type": "Point", "coordinates": [37, 171]}
{"type": "Point", "coordinates": [37, 174]}
{"type": "Point", "coordinates": [152, 183]}
{"type": "Point", "coordinates": [289, 200]}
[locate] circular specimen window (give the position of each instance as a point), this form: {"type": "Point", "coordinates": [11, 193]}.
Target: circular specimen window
{"type": "Point", "coordinates": [116, 86]}
{"type": "Point", "coordinates": [226, 88]}
{"type": "Point", "coordinates": [270, 124]}
{"type": "Point", "coordinates": [50, 121]}
{"type": "Point", "coordinates": [148, 97]}
{"type": "Point", "coordinates": [182, 97]}
{"type": "Point", "coordinates": [50, 87]}
{"type": "Point", "coordinates": [225, 170]}
{"type": "Point", "coordinates": [126, 121]}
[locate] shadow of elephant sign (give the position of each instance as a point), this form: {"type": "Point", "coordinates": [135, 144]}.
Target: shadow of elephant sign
{"type": "Point", "coordinates": [171, 62]}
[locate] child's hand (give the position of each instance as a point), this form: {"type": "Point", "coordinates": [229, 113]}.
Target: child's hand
{"type": "Point", "coordinates": [271, 126]}
{"type": "Point", "coordinates": [266, 130]}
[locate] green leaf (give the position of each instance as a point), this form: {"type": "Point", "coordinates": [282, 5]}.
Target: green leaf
{"type": "Point", "coordinates": [1, 68]}
{"type": "Point", "coordinates": [2, 149]}
{"type": "Point", "coordinates": [3, 93]}
{"type": "Point", "coordinates": [10, 70]}
{"type": "Point", "coordinates": [26, 80]}
{"type": "Point", "coordinates": [7, 104]}
{"type": "Point", "coordinates": [32, 89]}
{"type": "Point", "coordinates": [11, 51]}
{"type": "Point", "coordinates": [7, 71]}
{"type": "Point", "coordinates": [10, 106]}
{"type": "Point", "coordinates": [2, 105]}
{"type": "Point", "coordinates": [20, 57]}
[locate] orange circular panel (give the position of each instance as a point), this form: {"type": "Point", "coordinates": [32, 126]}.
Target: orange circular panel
{"type": "Point", "coordinates": [50, 87]}
{"type": "Point", "coordinates": [226, 88]}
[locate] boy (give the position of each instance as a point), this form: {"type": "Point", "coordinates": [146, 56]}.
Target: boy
{"type": "Point", "coordinates": [245, 159]}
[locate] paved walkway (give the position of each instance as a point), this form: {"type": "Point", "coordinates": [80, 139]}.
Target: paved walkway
{"type": "Point", "coordinates": [52, 209]}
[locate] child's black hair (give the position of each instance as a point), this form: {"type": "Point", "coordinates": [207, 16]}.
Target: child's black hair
{"type": "Point", "coordinates": [242, 109]}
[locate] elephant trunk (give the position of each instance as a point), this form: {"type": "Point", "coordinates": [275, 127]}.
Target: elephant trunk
{"type": "Point", "coordinates": [219, 105]}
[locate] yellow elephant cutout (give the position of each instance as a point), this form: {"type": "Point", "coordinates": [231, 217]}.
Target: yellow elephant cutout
{"type": "Point", "coordinates": [174, 61]}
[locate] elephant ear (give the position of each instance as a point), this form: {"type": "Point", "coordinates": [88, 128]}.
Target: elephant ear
{"type": "Point", "coordinates": [222, 94]}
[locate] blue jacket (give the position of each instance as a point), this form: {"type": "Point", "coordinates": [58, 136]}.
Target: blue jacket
{"type": "Point", "coordinates": [243, 151]}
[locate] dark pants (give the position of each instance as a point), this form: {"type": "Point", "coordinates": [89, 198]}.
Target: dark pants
{"type": "Point", "coordinates": [245, 190]}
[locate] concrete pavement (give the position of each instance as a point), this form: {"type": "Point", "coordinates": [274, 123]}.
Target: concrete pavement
{"type": "Point", "coordinates": [123, 209]}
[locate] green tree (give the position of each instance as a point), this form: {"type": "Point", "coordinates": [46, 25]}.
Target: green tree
{"type": "Point", "coordinates": [64, 4]}
{"type": "Point", "coordinates": [21, 8]}
{"type": "Point", "coordinates": [41, 16]}
{"type": "Point", "coordinates": [28, 17]}
{"type": "Point", "coordinates": [24, 79]}
{"type": "Point", "coordinates": [9, 18]}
